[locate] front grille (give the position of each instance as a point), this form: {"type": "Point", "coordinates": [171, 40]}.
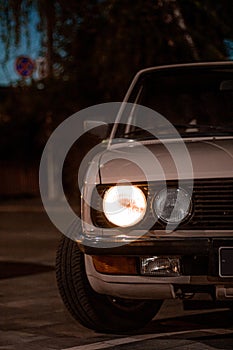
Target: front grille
{"type": "Point", "coordinates": [212, 205]}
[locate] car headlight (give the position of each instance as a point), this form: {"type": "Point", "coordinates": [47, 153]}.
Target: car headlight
{"type": "Point", "coordinates": [124, 205]}
{"type": "Point", "coordinates": [172, 205]}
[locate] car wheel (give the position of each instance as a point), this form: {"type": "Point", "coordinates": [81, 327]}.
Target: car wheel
{"type": "Point", "coordinates": [93, 310]}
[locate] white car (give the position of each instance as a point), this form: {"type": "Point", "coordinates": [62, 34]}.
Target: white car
{"type": "Point", "coordinates": [157, 202]}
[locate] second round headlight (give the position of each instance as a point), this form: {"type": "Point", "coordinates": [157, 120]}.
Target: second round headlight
{"type": "Point", "coordinates": [172, 205]}
{"type": "Point", "coordinates": [124, 205]}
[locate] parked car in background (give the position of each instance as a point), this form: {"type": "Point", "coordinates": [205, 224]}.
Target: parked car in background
{"type": "Point", "coordinates": [157, 215]}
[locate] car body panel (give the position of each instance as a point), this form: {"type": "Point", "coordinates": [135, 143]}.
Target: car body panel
{"type": "Point", "coordinates": [133, 161]}
{"type": "Point", "coordinates": [210, 158]}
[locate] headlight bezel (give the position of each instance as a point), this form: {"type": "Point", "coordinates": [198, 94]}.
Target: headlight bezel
{"type": "Point", "coordinates": [98, 216]}
{"type": "Point", "coordinates": [124, 205]}
{"type": "Point", "coordinates": [150, 221]}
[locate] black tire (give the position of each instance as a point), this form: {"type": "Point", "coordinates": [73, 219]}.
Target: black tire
{"type": "Point", "coordinates": [93, 310]}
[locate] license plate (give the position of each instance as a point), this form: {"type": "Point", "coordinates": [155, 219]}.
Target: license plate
{"type": "Point", "coordinates": [226, 262]}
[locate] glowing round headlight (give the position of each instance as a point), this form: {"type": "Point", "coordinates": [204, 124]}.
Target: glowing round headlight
{"type": "Point", "coordinates": [172, 205]}
{"type": "Point", "coordinates": [124, 205]}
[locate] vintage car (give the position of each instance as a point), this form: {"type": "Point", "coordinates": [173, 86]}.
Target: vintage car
{"type": "Point", "coordinates": [157, 202]}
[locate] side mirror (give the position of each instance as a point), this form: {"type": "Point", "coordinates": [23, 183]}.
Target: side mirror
{"type": "Point", "coordinates": [96, 128]}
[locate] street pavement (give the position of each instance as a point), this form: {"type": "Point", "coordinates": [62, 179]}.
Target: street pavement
{"type": "Point", "coordinates": [32, 315]}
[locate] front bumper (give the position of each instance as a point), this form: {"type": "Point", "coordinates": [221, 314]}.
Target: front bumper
{"type": "Point", "coordinates": [200, 269]}
{"type": "Point", "coordinates": [200, 256]}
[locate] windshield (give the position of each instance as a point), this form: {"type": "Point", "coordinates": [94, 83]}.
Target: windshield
{"type": "Point", "coordinates": [198, 102]}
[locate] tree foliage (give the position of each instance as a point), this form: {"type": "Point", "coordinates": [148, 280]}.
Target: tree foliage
{"type": "Point", "coordinates": [94, 47]}
{"type": "Point", "coordinates": [103, 43]}
{"type": "Point", "coordinates": [100, 44]}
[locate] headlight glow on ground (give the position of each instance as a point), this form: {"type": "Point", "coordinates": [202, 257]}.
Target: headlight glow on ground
{"type": "Point", "coordinates": [124, 205]}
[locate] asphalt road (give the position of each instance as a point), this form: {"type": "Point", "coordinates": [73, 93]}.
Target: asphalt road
{"type": "Point", "coordinates": [32, 315]}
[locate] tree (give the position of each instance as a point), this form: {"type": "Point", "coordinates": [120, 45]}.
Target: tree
{"type": "Point", "coordinates": [94, 47]}
{"type": "Point", "coordinates": [98, 45]}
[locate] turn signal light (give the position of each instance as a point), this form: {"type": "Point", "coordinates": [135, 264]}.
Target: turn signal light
{"type": "Point", "coordinates": [115, 265]}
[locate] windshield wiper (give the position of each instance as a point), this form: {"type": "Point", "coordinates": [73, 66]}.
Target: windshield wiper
{"type": "Point", "coordinates": [201, 128]}
{"type": "Point", "coordinates": [182, 129]}
{"type": "Point", "coordinates": [138, 132]}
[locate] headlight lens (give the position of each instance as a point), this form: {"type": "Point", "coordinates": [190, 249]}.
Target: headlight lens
{"type": "Point", "coordinates": [124, 205]}
{"type": "Point", "coordinates": [172, 205]}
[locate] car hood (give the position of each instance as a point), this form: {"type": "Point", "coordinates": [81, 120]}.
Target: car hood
{"type": "Point", "coordinates": [172, 159]}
